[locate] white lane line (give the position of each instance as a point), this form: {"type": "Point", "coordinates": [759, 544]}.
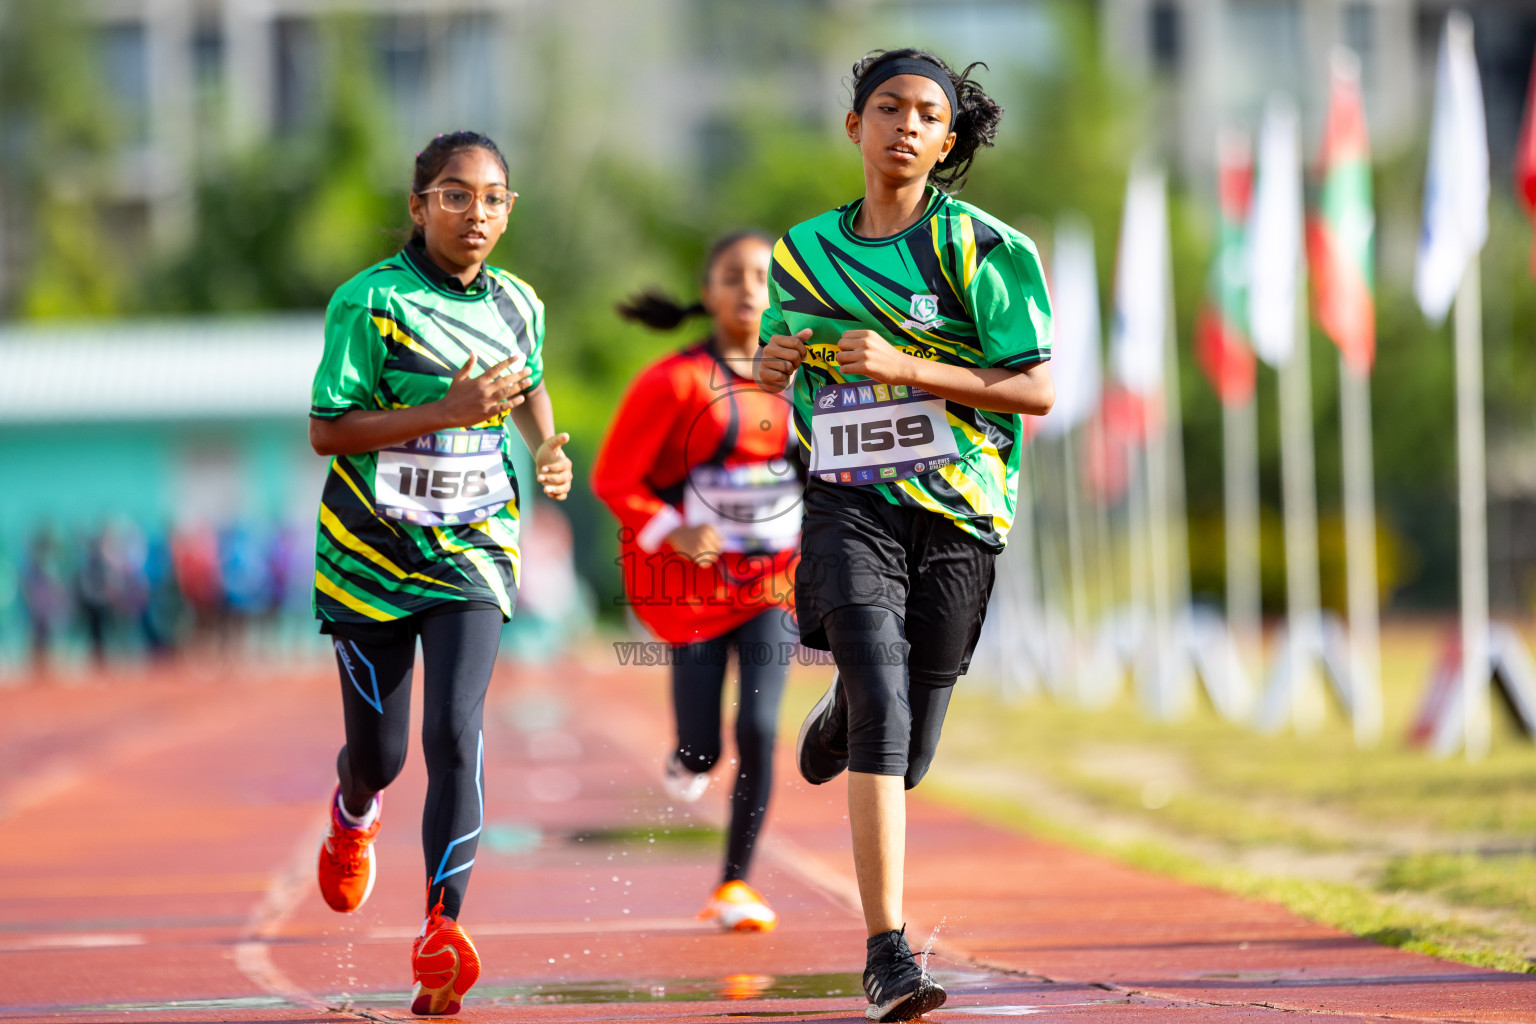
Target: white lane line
{"type": "Point", "coordinates": [72, 940]}
{"type": "Point", "coordinates": [283, 896]}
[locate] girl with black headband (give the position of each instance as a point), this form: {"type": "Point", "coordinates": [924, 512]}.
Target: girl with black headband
{"type": "Point", "coordinates": [914, 330]}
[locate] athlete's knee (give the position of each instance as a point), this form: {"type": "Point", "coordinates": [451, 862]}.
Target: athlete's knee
{"type": "Point", "coordinates": [446, 749]}
{"type": "Point", "coordinates": [917, 767]}
{"type": "Point", "coordinates": [375, 771]}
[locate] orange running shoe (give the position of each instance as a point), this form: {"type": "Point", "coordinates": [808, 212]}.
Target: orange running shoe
{"type": "Point", "coordinates": [736, 906]}
{"type": "Point", "coordinates": [446, 964]}
{"type": "Point", "coordinates": [346, 861]}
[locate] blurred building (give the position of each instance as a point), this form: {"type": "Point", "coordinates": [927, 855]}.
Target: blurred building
{"type": "Point", "coordinates": [193, 79]}
{"type": "Point", "coordinates": [1217, 60]}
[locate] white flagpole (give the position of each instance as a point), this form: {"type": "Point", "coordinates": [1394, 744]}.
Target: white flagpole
{"type": "Point", "coordinates": [1299, 487]}
{"type": "Point", "coordinates": [1474, 513]}
{"type": "Point", "coordinates": [1160, 550]}
{"type": "Point", "coordinates": [1071, 483]}
{"type": "Point", "coordinates": [1173, 427]}
{"type": "Point", "coordinates": [1240, 482]}
{"type": "Point", "coordinates": [1360, 552]}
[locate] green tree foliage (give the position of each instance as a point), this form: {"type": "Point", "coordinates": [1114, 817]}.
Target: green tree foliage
{"type": "Point", "coordinates": [56, 134]}
{"type": "Point", "coordinates": [280, 226]}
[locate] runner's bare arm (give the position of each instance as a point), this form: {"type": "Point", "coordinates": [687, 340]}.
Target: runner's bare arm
{"type": "Point", "coordinates": [469, 400]}
{"type": "Point", "coordinates": [535, 419]}
{"type": "Point", "coordinates": [996, 389]}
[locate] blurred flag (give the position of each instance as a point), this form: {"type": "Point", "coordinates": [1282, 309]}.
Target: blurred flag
{"type": "Point", "coordinates": [1142, 280]}
{"type": "Point", "coordinates": [1525, 158]}
{"type": "Point", "coordinates": [1274, 256]}
{"type": "Point", "coordinates": [1341, 233]}
{"type": "Point", "coordinates": [1456, 187]}
{"type": "Point", "coordinates": [1221, 332]}
{"type": "Point", "coordinates": [1075, 349]}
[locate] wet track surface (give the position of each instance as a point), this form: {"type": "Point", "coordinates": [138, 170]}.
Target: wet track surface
{"type": "Point", "coordinates": [158, 836]}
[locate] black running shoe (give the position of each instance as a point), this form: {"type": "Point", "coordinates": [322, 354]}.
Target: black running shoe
{"type": "Point", "coordinates": [898, 989]}
{"type": "Point", "coordinates": [822, 749]}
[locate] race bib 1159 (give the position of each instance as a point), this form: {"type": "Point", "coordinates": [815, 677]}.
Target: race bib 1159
{"type": "Point", "coordinates": [864, 433]}
{"type": "Point", "coordinates": [443, 479]}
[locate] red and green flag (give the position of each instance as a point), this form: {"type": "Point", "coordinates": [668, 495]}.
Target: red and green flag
{"type": "Point", "coordinates": [1341, 233]}
{"type": "Point", "coordinates": [1222, 347]}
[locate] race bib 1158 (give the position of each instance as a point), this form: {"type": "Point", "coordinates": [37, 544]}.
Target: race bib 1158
{"type": "Point", "coordinates": [443, 479]}
{"type": "Point", "coordinates": [864, 433]}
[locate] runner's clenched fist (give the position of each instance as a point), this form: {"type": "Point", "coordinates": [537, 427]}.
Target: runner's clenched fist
{"type": "Point", "coordinates": [778, 360]}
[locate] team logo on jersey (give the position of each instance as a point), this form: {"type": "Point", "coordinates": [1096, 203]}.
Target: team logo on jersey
{"type": "Point", "coordinates": [924, 314]}
{"type": "Point", "coordinates": [827, 400]}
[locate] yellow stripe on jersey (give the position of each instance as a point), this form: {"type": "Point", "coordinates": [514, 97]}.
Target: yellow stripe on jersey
{"type": "Point", "coordinates": [339, 468]}
{"type": "Point", "coordinates": [357, 604]}
{"type": "Point", "coordinates": [979, 441]}
{"type": "Point", "coordinates": [967, 250]}
{"type": "Point", "coordinates": [507, 541]}
{"type": "Point", "coordinates": [782, 257]}
{"type": "Point", "coordinates": [922, 497]}
{"type": "Point", "coordinates": [938, 251]}
{"type": "Point", "coordinates": [479, 560]}
{"type": "Point", "coordinates": [391, 330]}
{"type": "Point", "coordinates": [344, 536]}
{"type": "Point", "coordinates": [956, 475]}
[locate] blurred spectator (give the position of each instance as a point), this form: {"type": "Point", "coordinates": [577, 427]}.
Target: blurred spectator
{"type": "Point", "coordinates": [45, 592]}
{"type": "Point", "coordinates": [199, 576]}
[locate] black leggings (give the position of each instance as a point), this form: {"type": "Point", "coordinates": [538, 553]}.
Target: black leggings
{"type": "Point", "coordinates": [763, 646]}
{"type": "Point", "coordinates": [458, 646]}
{"type": "Point", "coordinates": [898, 692]}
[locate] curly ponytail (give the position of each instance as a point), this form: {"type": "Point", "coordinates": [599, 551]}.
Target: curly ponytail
{"type": "Point", "coordinates": [975, 119]}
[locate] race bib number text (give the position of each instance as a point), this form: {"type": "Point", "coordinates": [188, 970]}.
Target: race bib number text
{"type": "Point", "coordinates": [868, 433]}
{"type": "Point", "coordinates": [443, 479]}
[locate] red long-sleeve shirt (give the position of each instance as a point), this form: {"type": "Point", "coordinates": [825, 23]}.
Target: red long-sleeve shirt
{"type": "Point", "coordinates": [694, 442]}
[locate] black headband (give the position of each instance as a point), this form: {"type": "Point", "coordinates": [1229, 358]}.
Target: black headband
{"type": "Point", "coordinates": [906, 66]}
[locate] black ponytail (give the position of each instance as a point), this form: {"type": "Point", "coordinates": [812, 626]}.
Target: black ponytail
{"type": "Point", "coordinates": [431, 161]}
{"type": "Point", "coordinates": [975, 119]}
{"type": "Point", "coordinates": [657, 310]}
{"type": "Point", "coordinates": [660, 311]}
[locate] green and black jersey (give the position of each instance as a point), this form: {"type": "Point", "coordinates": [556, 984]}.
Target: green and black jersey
{"type": "Point", "coordinates": [394, 336]}
{"type": "Point", "coordinates": [959, 286]}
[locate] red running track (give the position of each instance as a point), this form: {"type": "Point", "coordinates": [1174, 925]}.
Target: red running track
{"type": "Point", "coordinates": [157, 842]}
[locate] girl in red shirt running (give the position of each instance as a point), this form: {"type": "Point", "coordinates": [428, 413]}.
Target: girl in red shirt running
{"type": "Point", "coordinates": [698, 468]}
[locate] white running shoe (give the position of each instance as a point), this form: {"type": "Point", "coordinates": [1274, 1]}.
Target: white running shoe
{"type": "Point", "coordinates": [682, 784]}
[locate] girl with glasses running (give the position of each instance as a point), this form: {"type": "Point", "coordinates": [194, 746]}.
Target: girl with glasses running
{"type": "Point", "coordinates": [428, 356]}
{"type": "Point", "coordinates": [915, 330]}
{"type": "Point", "coordinates": [698, 470]}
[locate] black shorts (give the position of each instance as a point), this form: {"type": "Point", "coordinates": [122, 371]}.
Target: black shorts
{"type": "Point", "coordinates": [857, 548]}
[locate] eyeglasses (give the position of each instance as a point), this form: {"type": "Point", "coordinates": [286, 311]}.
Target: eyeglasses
{"type": "Point", "coordinates": [498, 201]}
